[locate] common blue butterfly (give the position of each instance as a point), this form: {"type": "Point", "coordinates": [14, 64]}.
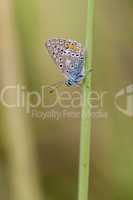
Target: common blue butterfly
{"type": "Point", "coordinates": [69, 56]}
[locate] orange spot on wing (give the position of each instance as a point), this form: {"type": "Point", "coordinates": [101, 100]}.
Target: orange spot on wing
{"type": "Point", "coordinates": [72, 47]}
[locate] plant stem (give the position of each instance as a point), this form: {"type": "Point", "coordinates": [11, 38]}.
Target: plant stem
{"type": "Point", "coordinates": [86, 111]}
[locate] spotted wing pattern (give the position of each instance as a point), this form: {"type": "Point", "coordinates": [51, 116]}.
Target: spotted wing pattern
{"type": "Point", "coordinates": [68, 55]}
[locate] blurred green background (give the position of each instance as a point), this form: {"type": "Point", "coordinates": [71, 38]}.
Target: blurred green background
{"type": "Point", "coordinates": [39, 158]}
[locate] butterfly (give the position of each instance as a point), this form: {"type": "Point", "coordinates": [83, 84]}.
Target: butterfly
{"type": "Point", "coordinates": [69, 56]}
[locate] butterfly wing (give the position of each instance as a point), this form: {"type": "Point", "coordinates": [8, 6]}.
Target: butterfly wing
{"type": "Point", "coordinates": [68, 55]}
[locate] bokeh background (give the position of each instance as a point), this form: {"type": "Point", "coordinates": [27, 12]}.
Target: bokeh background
{"type": "Point", "coordinates": [39, 158]}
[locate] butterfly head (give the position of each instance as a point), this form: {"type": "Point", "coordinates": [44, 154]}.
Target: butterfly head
{"type": "Point", "coordinates": [70, 82]}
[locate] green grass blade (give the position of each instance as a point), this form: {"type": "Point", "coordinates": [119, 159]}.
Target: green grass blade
{"type": "Point", "coordinates": [86, 111]}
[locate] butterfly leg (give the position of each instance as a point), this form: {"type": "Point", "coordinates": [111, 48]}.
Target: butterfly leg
{"type": "Point", "coordinates": [88, 71]}
{"type": "Point", "coordinates": [86, 74]}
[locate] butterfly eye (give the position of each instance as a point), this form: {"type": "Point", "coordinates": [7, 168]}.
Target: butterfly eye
{"type": "Point", "coordinates": [69, 83]}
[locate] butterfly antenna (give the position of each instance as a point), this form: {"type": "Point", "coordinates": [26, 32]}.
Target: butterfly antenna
{"type": "Point", "coordinates": [53, 87]}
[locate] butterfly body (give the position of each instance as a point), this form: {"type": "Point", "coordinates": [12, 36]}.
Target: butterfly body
{"type": "Point", "coordinates": [69, 57]}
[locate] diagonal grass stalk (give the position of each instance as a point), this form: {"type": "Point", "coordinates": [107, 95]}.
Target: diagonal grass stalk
{"type": "Point", "coordinates": [86, 111]}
